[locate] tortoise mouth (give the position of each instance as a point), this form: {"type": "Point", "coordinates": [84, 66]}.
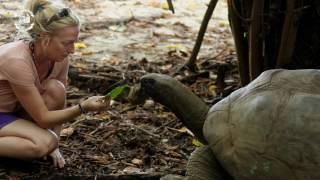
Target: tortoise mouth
{"type": "Point", "coordinates": [155, 89]}
{"type": "Point", "coordinates": [152, 86]}
{"type": "Point", "coordinates": [148, 83]}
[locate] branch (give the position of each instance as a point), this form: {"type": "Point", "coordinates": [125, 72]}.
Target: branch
{"type": "Point", "coordinates": [192, 61]}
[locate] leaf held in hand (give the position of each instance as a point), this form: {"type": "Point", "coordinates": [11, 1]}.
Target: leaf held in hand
{"type": "Point", "coordinates": [116, 92]}
{"type": "Point", "coordinates": [196, 143]}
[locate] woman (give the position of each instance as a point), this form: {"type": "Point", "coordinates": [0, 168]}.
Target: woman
{"type": "Point", "coordinates": [33, 76]}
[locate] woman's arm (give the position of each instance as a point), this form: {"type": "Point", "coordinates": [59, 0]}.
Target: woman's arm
{"type": "Point", "coordinates": [33, 103]}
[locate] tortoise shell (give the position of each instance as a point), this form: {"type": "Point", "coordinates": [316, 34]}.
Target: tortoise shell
{"type": "Point", "coordinates": [269, 129]}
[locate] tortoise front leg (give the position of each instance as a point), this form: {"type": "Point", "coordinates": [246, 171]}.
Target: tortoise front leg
{"type": "Point", "coordinates": [203, 165]}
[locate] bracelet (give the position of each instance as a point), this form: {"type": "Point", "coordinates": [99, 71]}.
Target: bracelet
{"type": "Point", "coordinates": [53, 133]}
{"type": "Point", "coordinates": [81, 109]}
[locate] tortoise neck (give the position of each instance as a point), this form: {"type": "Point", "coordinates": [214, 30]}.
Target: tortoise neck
{"type": "Point", "coordinates": [189, 108]}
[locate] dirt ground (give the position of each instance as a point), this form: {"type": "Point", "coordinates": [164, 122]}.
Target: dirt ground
{"type": "Point", "coordinates": [127, 39]}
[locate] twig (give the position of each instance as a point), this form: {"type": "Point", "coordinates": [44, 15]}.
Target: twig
{"type": "Point", "coordinates": [145, 131]}
{"type": "Point", "coordinates": [215, 56]}
{"type": "Point", "coordinates": [163, 125]}
{"type": "Point", "coordinates": [188, 131]}
{"type": "Point", "coordinates": [76, 122]}
{"type": "Point", "coordinates": [97, 129]}
{"type": "Point", "coordinates": [203, 28]}
{"type": "Point", "coordinates": [170, 5]}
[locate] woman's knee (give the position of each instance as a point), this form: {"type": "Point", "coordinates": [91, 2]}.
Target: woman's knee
{"type": "Point", "coordinates": [31, 140]}
{"type": "Point", "coordinates": [54, 94]}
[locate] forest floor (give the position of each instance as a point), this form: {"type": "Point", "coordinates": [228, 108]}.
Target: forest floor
{"type": "Point", "coordinates": [127, 39]}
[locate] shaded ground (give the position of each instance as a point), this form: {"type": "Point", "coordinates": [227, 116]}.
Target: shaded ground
{"type": "Point", "coordinates": [127, 39]}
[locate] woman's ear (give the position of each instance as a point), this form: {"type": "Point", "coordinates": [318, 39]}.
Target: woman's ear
{"type": "Point", "coordinates": [45, 39]}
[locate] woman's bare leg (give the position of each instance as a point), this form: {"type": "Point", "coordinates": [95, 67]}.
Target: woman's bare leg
{"type": "Point", "coordinates": [25, 140]}
{"type": "Point", "coordinates": [55, 98]}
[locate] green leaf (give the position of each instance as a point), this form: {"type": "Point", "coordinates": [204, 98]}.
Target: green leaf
{"type": "Point", "coordinates": [116, 92]}
{"type": "Point", "coordinates": [196, 143]}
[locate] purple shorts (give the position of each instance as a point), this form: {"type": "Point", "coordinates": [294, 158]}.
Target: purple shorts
{"type": "Point", "coordinates": [6, 118]}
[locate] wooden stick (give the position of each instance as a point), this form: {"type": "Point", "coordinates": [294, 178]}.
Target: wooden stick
{"type": "Point", "coordinates": [145, 131]}
{"type": "Point", "coordinates": [255, 39]}
{"type": "Point", "coordinates": [289, 33]}
{"type": "Point", "coordinates": [170, 5]}
{"type": "Point", "coordinates": [192, 61]}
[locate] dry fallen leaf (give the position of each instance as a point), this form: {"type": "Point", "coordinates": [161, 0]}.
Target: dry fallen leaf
{"type": "Point", "coordinates": [80, 45]}
{"type": "Point", "coordinates": [149, 104]}
{"type": "Point", "coordinates": [67, 132]}
{"type": "Point", "coordinates": [177, 47]}
{"type": "Point", "coordinates": [87, 53]}
{"type": "Point", "coordinates": [131, 170]}
{"type": "Point", "coordinates": [185, 130]}
{"type": "Point", "coordinates": [212, 89]}
{"type": "Point", "coordinates": [137, 162]}
{"type": "Point", "coordinates": [164, 5]}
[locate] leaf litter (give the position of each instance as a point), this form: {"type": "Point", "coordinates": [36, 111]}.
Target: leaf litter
{"type": "Point", "coordinates": [116, 48]}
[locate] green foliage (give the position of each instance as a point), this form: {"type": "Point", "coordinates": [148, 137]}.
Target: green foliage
{"type": "Point", "coordinates": [118, 91]}
{"type": "Point", "coordinates": [196, 143]}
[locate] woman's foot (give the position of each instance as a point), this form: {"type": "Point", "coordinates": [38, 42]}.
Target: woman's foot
{"type": "Point", "coordinates": [58, 160]}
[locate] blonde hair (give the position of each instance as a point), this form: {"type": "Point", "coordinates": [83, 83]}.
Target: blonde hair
{"type": "Point", "coordinates": [49, 16]}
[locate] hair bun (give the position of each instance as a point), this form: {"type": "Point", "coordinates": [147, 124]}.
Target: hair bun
{"type": "Point", "coordinates": [36, 6]}
{"type": "Point", "coordinates": [39, 15]}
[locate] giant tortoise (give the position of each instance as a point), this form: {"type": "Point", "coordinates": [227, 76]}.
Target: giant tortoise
{"type": "Point", "coordinates": [268, 130]}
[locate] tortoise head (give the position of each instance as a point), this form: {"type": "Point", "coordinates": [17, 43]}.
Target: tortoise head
{"type": "Point", "coordinates": [158, 86]}
{"type": "Point", "coordinates": [189, 108]}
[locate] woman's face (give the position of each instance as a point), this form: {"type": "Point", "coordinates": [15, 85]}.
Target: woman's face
{"type": "Point", "coordinates": [61, 43]}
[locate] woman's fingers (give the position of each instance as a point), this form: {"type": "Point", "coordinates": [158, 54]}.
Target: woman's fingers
{"type": "Point", "coordinates": [96, 103]}
{"type": "Point", "coordinates": [102, 103]}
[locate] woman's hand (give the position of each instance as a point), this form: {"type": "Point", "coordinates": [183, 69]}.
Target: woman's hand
{"type": "Point", "coordinates": [95, 103]}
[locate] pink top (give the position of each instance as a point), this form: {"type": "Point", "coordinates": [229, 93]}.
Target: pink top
{"type": "Point", "coordinates": [17, 67]}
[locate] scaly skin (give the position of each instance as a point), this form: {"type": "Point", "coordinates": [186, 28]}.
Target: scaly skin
{"type": "Point", "coordinates": [189, 108]}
